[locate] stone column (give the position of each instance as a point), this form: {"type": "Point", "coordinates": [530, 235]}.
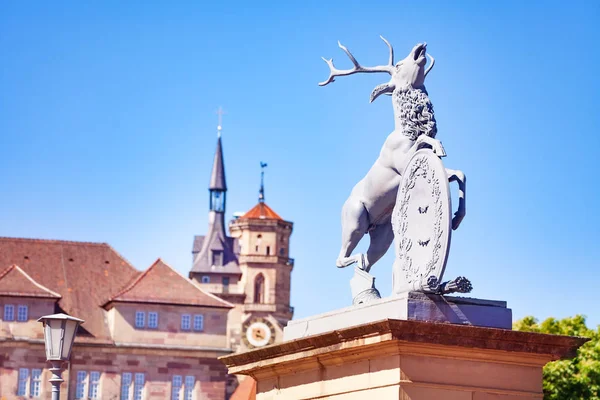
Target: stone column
{"type": "Point", "coordinates": [407, 360]}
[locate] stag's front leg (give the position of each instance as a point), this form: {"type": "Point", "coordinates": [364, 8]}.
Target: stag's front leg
{"type": "Point", "coordinates": [435, 144]}
{"type": "Point", "coordinates": [402, 160]}
{"type": "Point", "coordinates": [459, 176]}
{"type": "Point", "coordinates": [355, 223]}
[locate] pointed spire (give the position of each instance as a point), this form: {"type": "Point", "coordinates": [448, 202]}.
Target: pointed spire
{"type": "Point", "coordinates": [217, 176]}
{"type": "Point", "coordinates": [261, 192]}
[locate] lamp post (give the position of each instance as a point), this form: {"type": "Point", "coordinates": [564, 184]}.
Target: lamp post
{"type": "Point", "coordinates": [59, 335]}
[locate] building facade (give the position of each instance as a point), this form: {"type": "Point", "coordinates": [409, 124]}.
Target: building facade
{"type": "Point", "coordinates": [150, 334]}
{"type": "Point", "coordinates": [147, 335]}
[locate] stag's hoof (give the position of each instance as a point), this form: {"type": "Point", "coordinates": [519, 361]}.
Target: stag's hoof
{"type": "Point", "coordinates": [438, 149]}
{"type": "Point", "coordinates": [348, 261]}
{"type": "Point", "coordinates": [345, 262]}
{"type": "Point", "coordinates": [458, 217]}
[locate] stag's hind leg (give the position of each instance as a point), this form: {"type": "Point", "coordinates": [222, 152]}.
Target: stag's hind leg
{"type": "Point", "coordinates": [382, 237]}
{"type": "Point", "coordinates": [355, 223]}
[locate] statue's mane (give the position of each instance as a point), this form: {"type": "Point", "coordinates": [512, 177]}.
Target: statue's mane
{"type": "Point", "coordinates": [415, 112]}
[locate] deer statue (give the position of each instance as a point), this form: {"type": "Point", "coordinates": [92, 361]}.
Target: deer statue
{"type": "Point", "coordinates": [371, 202]}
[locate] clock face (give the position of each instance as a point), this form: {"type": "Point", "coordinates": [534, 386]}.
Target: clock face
{"type": "Point", "coordinates": [258, 332]}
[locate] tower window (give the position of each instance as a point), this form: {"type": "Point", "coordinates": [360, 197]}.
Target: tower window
{"type": "Point", "coordinates": [205, 279]}
{"type": "Point", "coordinates": [281, 251]}
{"type": "Point", "coordinates": [259, 289]}
{"type": "Point", "coordinates": [225, 284]}
{"type": "Point", "coordinates": [217, 200]}
{"type": "Point", "coordinates": [217, 258]}
{"type": "Point", "coordinates": [258, 242]}
{"type": "Point", "coordinates": [268, 250]}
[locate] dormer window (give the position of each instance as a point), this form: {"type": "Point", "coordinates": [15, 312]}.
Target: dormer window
{"type": "Point", "coordinates": [22, 313]}
{"type": "Point", "coordinates": [153, 320]}
{"type": "Point", "coordinates": [186, 320]}
{"type": "Point", "coordinates": [9, 312]}
{"type": "Point", "coordinates": [217, 258]}
{"type": "Point", "coordinates": [140, 319]}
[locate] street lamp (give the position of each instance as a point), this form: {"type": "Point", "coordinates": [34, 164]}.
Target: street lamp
{"type": "Point", "coordinates": [59, 335]}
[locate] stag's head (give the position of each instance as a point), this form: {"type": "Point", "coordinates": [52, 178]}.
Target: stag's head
{"type": "Point", "coordinates": [407, 73]}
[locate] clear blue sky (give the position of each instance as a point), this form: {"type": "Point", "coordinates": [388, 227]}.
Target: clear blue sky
{"type": "Point", "coordinates": [107, 131]}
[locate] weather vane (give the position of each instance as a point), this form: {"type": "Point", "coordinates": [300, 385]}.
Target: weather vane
{"type": "Point", "coordinates": [261, 192]}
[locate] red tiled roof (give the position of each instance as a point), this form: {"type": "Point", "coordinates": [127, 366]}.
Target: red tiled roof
{"type": "Point", "coordinates": [246, 390]}
{"type": "Point", "coordinates": [15, 282]}
{"type": "Point", "coordinates": [84, 274]}
{"type": "Point", "coordinates": [261, 211]}
{"type": "Point", "coordinates": [162, 284]}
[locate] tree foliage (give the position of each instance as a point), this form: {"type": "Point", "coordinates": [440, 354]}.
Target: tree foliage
{"type": "Point", "coordinates": [574, 379]}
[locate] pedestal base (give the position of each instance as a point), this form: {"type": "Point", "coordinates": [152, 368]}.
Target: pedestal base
{"type": "Point", "coordinates": [405, 360]}
{"type": "Point", "coordinates": [413, 306]}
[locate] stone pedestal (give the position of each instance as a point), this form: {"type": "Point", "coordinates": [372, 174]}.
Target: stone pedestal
{"type": "Point", "coordinates": [408, 360]}
{"type": "Point", "coordinates": [415, 306]}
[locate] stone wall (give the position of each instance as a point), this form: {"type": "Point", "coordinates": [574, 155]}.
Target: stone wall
{"type": "Point", "coordinates": [122, 325]}
{"type": "Point", "coordinates": [36, 308]}
{"type": "Point", "coordinates": [158, 365]}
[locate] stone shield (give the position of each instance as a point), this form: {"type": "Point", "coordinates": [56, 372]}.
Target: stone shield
{"type": "Point", "coordinates": [421, 221]}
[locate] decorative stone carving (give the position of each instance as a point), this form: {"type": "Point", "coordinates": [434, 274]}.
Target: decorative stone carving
{"type": "Point", "coordinates": [369, 207]}
{"type": "Point", "coordinates": [363, 287]}
{"type": "Point", "coordinates": [421, 224]}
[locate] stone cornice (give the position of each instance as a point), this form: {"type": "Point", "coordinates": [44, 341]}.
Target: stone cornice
{"type": "Point", "coordinates": [119, 347]}
{"type": "Point", "coordinates": [403, 337]}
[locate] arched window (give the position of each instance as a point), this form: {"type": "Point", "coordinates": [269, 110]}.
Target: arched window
{"type": "Point", "coordinates": [259, 289]}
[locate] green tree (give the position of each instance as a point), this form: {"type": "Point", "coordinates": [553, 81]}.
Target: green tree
{"type": "Point", "coordinates": [574, 379]}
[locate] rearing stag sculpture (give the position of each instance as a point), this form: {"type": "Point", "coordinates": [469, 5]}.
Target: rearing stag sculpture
{"type": "Point", "coordinates": [370, 205]}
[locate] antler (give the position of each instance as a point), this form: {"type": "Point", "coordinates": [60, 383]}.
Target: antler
{"type": "Point", "coordinates": [430, 65]}
{"type": "Point", "coordinates": [357, 67]}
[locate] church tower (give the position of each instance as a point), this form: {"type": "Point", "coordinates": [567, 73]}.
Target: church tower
{"type": "Point", "coordinates": [250, 268]}
{"type": "Point", "coordinates": [264, 240]}
{"type": "Point", "coordinates": [215, 255]}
